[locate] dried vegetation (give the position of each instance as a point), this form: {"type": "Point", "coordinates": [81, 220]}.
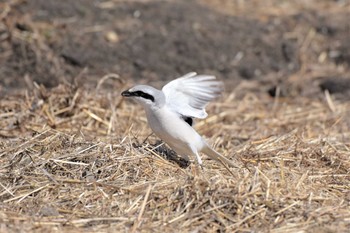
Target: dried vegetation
{"type": "Point", "coordinates": [74, 159]}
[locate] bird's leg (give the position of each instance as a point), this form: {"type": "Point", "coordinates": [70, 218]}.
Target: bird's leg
{"type": "Point", "coordinates": [199, 160]}
{"type": "Point", "coordinates": [147, 138]}
{"type": "Point", "coordinates": [195, 152]}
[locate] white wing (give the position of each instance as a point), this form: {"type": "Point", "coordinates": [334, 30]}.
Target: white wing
{"type": "Point", "coordinates": [189, 94]}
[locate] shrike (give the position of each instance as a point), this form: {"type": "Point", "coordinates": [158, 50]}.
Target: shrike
{"type": "Point", "coordinates": [170, 112]}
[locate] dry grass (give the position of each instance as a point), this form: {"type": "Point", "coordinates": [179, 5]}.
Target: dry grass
{"type": "Point", "coordinates": [74, 159]}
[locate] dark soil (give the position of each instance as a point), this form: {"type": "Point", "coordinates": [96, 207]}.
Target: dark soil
{"type": "Point", "coordinates": [51, 41]}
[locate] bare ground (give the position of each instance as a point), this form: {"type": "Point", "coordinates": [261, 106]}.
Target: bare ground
{"type": "Point", "coordinates": [73, 154]}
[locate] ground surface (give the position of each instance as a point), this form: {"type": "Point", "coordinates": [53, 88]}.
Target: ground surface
{"type": "Point", "coordinates": [72, 151]}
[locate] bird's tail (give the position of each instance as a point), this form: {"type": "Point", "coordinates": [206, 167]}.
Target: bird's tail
{"type": "Point", "coordinates": [216, 156]}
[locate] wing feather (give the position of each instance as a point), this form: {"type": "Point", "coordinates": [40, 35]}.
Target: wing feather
{"type": "Point", "coordinates": [190, 94]}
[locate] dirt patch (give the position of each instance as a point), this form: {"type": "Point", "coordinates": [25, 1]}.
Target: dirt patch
{"type": "Point", "coordinates": [53, 41]}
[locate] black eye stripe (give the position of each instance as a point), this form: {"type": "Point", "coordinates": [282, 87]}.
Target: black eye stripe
{"type": "Point", "coordinates": [143, 95]}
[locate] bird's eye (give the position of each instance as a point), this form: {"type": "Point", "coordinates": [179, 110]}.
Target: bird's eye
{"type": "Point", "coordinates": [144, 95]}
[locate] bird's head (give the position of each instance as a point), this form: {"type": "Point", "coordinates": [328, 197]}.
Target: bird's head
{"type": "Point", "coordinates": [147, 96]}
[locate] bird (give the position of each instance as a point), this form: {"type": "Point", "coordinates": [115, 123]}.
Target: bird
{"type": "Point", "coordinates": [171, 112]}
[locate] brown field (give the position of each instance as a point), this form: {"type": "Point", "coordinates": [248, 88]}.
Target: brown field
{"type": "Point", "coordinates": [76, 157]}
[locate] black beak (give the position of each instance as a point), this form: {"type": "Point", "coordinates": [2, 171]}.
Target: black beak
{"type": "Point", "coordinates": [127, 93]}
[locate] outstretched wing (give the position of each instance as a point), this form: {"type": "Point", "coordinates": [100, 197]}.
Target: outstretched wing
{"type": "Point", "coordinates": [189, 94]}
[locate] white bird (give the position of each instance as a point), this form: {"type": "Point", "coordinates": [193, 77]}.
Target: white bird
{"type": "Point", "coordinates": [170, 112]}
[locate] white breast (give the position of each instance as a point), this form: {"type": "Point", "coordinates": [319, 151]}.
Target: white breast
{"type": "Point", "coordinates": [168, 126]}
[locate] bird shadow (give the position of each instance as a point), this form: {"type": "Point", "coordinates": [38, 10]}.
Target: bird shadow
{"type": "Point", "coordinates": [165, 152]}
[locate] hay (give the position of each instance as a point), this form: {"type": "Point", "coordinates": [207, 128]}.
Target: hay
{"type": "Point", "coordinates": [74, 159]}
